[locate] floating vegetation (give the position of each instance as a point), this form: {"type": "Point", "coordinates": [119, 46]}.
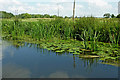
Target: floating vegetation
{"type": "Point", "coordinates": [105, 53]}
{"type": "Point", "coordinates": [60, 51]}
{"type": "Point", "coordinates": [114, 64]}
{"type": "Point", "coordinates": [76, 53]}
{"type": "Point", "coordinates": [89, 56]}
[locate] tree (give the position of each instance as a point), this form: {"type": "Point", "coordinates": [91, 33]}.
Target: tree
{"type": "Point", "coordinates": [6, 14]}
{"type": "Point", "coordinates": [76, 17]}
{"type": "Point", "coordinates": [107, 15]}
{"type": "Point", "coordinates": [53, 16]}
{"type": "Point", "coordinates": [46, 16]}
{"type": "Point", "coordinates": [66, 17]}
{"type": "Point", "coordinates": [25, 15]}
{"type": "Point", "coordinates": [112, 16]}
{"type": "Point", "coordinates": [60, 17]}
{"type": "Point", "coordinates": [118, 16]}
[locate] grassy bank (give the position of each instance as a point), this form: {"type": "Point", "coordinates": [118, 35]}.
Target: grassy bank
{"type": "Point", "coordinates": [87, 36]}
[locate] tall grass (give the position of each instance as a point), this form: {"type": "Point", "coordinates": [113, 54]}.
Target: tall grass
{"type": "Point", "coordinates": [94, 30]}
{"type": "Point", "coordinates": [90, 30]}
{"type": "Point", "coordinates": [42, 29]}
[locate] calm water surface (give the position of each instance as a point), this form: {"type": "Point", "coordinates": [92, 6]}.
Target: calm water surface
{"type": "Point", "coordinates": [32, 62]}
{"type": "Point", "coordinates": [0, 58]}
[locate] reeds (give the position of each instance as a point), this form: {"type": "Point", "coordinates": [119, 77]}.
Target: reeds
{"type": "Point", "coordinates": [90, 30]}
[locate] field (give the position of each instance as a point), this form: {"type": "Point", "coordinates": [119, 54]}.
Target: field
{"type": "Point", "coordinates": [86, 37]}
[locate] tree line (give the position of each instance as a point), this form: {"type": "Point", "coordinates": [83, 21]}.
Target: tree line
{"type": "Point", "coordinates": [108, 15]}
{"type": "Point", "coordinates": [4, 14]}
{"type": "Point", "coordinates": [26, 15]}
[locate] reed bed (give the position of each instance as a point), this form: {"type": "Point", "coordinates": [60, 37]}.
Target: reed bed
{"type": "Point", "coordinates": [84, 29]}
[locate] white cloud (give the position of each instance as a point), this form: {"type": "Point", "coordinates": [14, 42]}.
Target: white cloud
{"type": "Point", "coordinates": [47, 8]}
{"type": "Point", "coordinates": [16, 2]}
{"type": "Point", "coordinates": [94, 7]}
{"type": "Point", "coordinates": [99, 7]}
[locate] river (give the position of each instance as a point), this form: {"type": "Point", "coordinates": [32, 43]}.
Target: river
{"type": "Point", "coordinates": [29, 61]}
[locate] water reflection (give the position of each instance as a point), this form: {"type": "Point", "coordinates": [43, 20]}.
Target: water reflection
{"type": "Point", "coordinates": [87, 62]}
{"type": "Point", "coordinates": [58, 74]}
{"type": "Point", "coordinates": [15, 71]}
{"type": "Point", "coordinates": [0, 58]}
{"type": "Point", "coordinates": [61, 74]}
{"type": "Point", "coordinates": [29, 60]}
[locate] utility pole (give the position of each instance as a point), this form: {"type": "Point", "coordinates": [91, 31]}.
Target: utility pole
{"type": "Point", "coordinates": [16, 17]}
{"type": "Point", "coordinates": [118, 7]}
{"type": "Point", "coordinates": [16, 13]}
{"type": "Point", "coordinates": [74, 10]}
{"type": "Point", "coordinates": [58, 9]}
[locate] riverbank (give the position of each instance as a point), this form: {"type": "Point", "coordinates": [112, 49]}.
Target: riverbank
{"type": "Point", "coordinates": [105, 52]}
{"type": "Point", "coordinates": [85, 36]}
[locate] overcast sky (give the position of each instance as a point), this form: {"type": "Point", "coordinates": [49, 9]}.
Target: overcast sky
{"type": "Point", "coordinates": [83, 7]}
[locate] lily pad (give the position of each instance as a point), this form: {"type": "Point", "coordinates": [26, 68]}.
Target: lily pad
{"type": "Point", "coordinates": [60, 51]}
{"type": "Point", "coordinates": [76, 53]}
{"type": "Point", "coordinates": [90, 56]}
{"type": "Point", "coordinates": [51, 48]}
{"type": "Point", "coordinates": [70, 50]}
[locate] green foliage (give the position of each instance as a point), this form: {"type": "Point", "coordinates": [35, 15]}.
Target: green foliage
{"type": "Point", "coordinates": [89, 30]}
{"type": "Point", "coordinates": [53, 16]}
{"type": "Point", "coordinates": [118, 16]}
{"type": "Point", "coordinates": [107, 15]}
{"type": "Point", "coordinates": [66, 17]}
{"type": "Point", "coordinates": [25, 15]}
{"type": "Point", "coordinates": [6, 15]}
{"type": "Point", "coordinates": [112, 16]}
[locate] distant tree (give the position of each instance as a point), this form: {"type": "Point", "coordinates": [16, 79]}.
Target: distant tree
{"type": "Point", "coordinates": [66, 17]}
{"type": "Point", "coordinates": [53, 16]}
{"type": "Point", "coordinates": [60, 17]}
{"type": "Point", "coordinates": [37, 16]}
{"type": "Point", "coordinates": [107, 15]}
{"type": "Point", "coordinates": [112, 16]}
{"type": "Point", "coordinates": [46, 16]}
{"type": "Point", "coordinates": [6, 14]}
{"type": "Point", "coordinates": [76, 17]}
{"type": "Point", "coordinates": [33, 16]}
{"type": "Point", "coordinates": [118, 16]}
{"type": "Point", "coordinates": [25, 15]}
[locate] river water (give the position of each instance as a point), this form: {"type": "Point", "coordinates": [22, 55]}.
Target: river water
{"type": "Point", "coordinates": [0, 58]}
{"type": "Point", "coordinates": [29, 61]}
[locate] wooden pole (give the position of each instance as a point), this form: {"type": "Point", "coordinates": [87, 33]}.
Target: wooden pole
{"type": "Point", "coordinates": [58, 9]}
{"type": "Point", "coordinates": [74, 10]}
